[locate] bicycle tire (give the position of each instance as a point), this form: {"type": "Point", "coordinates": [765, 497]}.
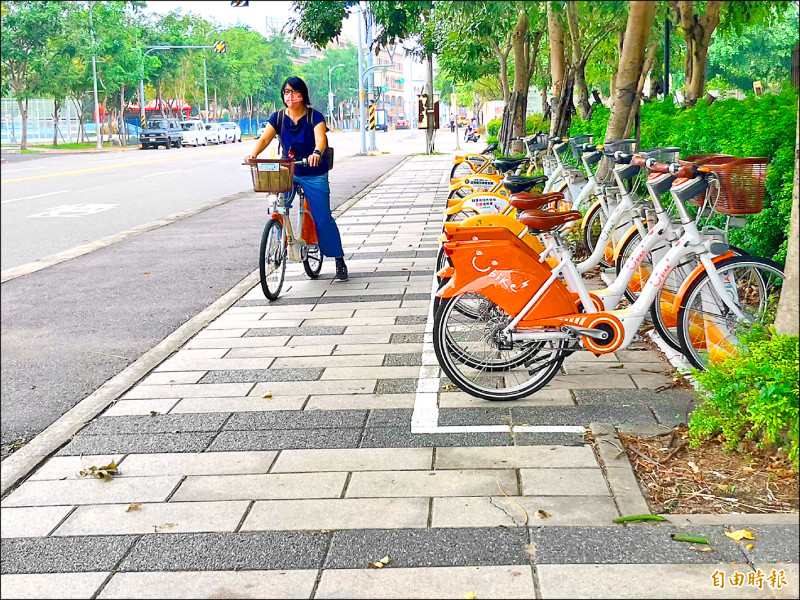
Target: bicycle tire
{"type": "Point", "coordinates": [595, 219]}
{"type": "Point", "coordinates": [312, 261]}
{"type": "Point", "coordinates": [510, 384]}
{"type": "Point", "coordinates": [631, 294]}
{"type": "Point", "coordinates": [272, 259]}
{"type": "Point", "coordinates": [708, 336]}
{"type": "Point", "coordinates": [460, 170]}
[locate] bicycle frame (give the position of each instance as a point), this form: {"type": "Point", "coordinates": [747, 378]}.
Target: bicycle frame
{"type": "Point", "coordinates": [296, 244]}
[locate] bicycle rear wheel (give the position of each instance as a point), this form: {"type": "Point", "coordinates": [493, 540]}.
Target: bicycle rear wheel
{"type": "Point", "coordinates": [272, 259]}
{"type": "Point", "coordinates": [708, 329]}
{"type": "Point", "coordinates": [460, 170]}
{"type": "Point", "coordinates": [312, 261]}
{"type": "Point", "coordinates": [470, 357]}
{"type": "Point", "coordinates": [595, 221]}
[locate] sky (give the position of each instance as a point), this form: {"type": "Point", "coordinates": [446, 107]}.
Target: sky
{"type": "Point", "coordinates": [253, 15]}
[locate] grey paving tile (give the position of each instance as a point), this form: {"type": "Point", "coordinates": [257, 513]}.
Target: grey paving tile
{"type": "Point", "coordinates": [406, 338]}
{"type": "Point", "coordinates": [217, 584]}
{"type": "Point", "coordinates": [411, 319]}
{"type": "Point", "coordinates": [399, 418]}
{"type": "Point", "coordinates": [53, 585]}
{"type": "Point", "coordinates": [163, 517]}
{"type": "Point", "coordinates": [137, 444]}
{"type": "Point", "coordinates": [296, 419]}
{"type": "Point", "coordinates": [631, 397]}
{"type": "Point", "coordinates": [246, 551]}
{"type": "Point", "coordinates": [155, 424]}
{"type": "Point", "coordinates": [552, 481]}
{"type": "Point", "coordinates": [259, 487]}
{"type": "Point", "coordinates": [403, 360]}
{"type": "Point", "coordinates": [361, 459]}
{"type": "Point", "coordinates": [360, 298]}
{"type": "Point", "coordinates": [616, 545]}
{"type": "Point", "coordinates": [428, 582]}
{"type": "Point", "coordinates": [396, 386]}
{"type": "Point", "coordinates": [522, 438]}
{"type": "Point", "coordinates": [30, 521]}
{"type": "Point", "coordinates": [390, 437]}
{"type": "Point", "coordinates": [401, 484]}
{"type": "Point", "coordinates": [203, 463]}
{"type": "Point", "coordinates": [293, 331]}
{"type": "Point", "coordinates": [420, 296]}
{"type": "Point", "coordinates": [257, 375]}
{"type": "Point", "coordinates": [475, 416]}
{"type": "Point", "coordinates": [227, 441]}
{"type": "Point", "coordinates": [92, 491]}
{"type": "Point", "coordinates": [281, 301]}
{"type": "Point", "coordinates": [355, 549]}
{"type": "Point", "coordinates": [515, 457]}
{"type": "Point", "coordinates": [581, 415]}
{"type": "Point", "coordinates": [360, 401]}
{"type": "Point", "coordinates": [63, 555]}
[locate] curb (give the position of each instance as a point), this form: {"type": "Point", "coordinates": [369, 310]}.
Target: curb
{"type": "Point", "coordinates": [20, 464]}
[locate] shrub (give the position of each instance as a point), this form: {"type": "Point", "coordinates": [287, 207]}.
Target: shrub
{"type": "Point", "coordinates": [751, 127]}
{"type": "Point", "coordinates": [493, 127]}
{"type": "Point", "coordinates": [753, 395]}
{"type": "Point", "coordinates": [533, 124]}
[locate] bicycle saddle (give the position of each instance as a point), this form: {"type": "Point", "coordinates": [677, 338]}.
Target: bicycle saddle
{"type": "Point", "coordinates": [518, 183]}
{"type": "Point", "coordinates": [539, 220]}
{"type": "Point", "coordinates": [508, 164]}
{"type": "Point", "coordinates": [524, 201]}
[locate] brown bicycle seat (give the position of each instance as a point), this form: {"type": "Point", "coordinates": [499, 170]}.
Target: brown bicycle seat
{"type": "Point", "coordinates": [540, 220]}
{"type": "Point", "coordinates": [530, 201]}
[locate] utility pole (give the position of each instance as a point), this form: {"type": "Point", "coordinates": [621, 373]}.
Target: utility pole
{"type": "Point", "coordinates": [98, 137]}
{"type": "Point", "coordinates": [361, 112]}
{"type": "Point", "coordinates": [371, 79]}
{"type": "Point", "coordinates": [205, 85]}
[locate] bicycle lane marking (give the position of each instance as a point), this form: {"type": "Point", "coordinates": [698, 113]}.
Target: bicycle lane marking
{"type": "Point", "coordinates": [425, 417]}
{"type": "Point", "coordinates": [95, 169]}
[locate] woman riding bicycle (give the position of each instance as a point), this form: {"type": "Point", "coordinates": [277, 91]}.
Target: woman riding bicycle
{"type": "Point", "coordinates": [301, 131]}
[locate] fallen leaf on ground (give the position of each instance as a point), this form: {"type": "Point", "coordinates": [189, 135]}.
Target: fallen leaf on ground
{"type": "Point", "coordinates": [542, 514]}
{"type": "Point", "coordinates": [739, 534]}
{"type": "Point", "coordinates": [153, 413]}
{"type": "Point", "coordinates": [104, 473]}
{"type": "Point", "coordinates": [470, 596]}
{"type": "Point", "coordinates": [694, 467]}
{"type": "Point", "coordinates": [267, 395]}
{"type": "Point", "coordinates": [701, 548]}
{"type": "Point", "coordinates": [379, 564]}
{"type": "Point", "coordinates": [750, 546]}
{"type": "Point", "coordinates": [163, 526]}
{"type": "Point", "coordinates": [448, 387]}
{"type": "Point", "coordinates": [133, 506]}
{"type": "Point", "coordinates": [617, 367]}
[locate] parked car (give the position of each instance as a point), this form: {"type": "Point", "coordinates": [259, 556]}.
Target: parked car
{"type": "Point", "coordinates": [161, 132]}
{"type": "Point", "coordinates": [194, 133]}
{"type": "Point", "coordinates": [261, 129]}
{"type": "Point", "coordinates": [233, 132]}
{"type": "Point", "coordinates": [213, 133]}
{"type": "Point", "coordinates": [401, 124]}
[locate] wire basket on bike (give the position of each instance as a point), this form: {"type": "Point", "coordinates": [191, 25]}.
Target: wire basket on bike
{"type": "Point", "coordinates": [701, 159]}
{"type": "Point", "coordinates": [663, 155]}
{"type": "Point", "coordinates": [538, 142]}
{"type": "Point", "coordinates": [740, 182]}
{"type": "Point", "coordinates": [273, 176]}
{"type": "Point", "coordinates": [577, 142]}
{"type": "Point", "coordinates": [625, 146]}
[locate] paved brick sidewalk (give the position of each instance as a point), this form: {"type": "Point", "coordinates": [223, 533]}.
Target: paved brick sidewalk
{"type": "Point", "coordinates": [288, 445]}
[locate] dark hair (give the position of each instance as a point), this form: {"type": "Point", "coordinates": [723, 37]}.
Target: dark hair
{"type": "Point", "coordinates": [297, 85]}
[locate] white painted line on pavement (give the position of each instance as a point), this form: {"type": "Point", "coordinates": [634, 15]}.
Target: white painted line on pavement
{"type": "Point", "coordinates": [19, 170]}
{"type": "Point", "coordinates": [36, 196]}
{"type": "Point", "coordinates": [162, 173]}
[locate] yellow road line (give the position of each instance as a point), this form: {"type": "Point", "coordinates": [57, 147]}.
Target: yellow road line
{"type": "Point", "coordinates": [144, 162]}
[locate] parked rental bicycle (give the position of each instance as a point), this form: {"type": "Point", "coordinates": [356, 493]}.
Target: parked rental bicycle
{"type": "Point", "coordinates": [280, 241]}
{"type": "Point", "coordinates": [506, 322]}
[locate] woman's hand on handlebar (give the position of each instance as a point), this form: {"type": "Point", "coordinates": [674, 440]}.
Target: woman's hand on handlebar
{"type": "Point", "coordinates": [312, 160]}
{"type": "Point", "coordinates": [249, 158]}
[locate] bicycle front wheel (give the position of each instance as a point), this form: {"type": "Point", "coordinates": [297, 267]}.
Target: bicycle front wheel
{"type": "Point", "coordinates": [460, 170]}
{"type": "Point", "coordinates": [272, 259]}
{"type": "Point", "coordinates": [593, 227]}
{"type": "Point", "coordinates": [708, 328]}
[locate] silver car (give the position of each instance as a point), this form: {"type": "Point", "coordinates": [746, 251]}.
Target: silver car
{"type": "Point", "coordinates": [213, 133]}
{"type": "Point", "coordinates": [232, 132]}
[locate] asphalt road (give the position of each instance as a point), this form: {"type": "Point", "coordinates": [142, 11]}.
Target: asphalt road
{"type": "Point", "coordinates": [69, 328]}
{"type": "Point", "coordinates": [54, 202]}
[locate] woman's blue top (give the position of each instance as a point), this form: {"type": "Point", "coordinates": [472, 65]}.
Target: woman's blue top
{"type": "Point", "coordinates": [299, 138]}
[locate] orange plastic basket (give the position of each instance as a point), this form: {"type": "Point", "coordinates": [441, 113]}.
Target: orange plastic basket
{"type": "Point", "coordinates": [273, 176]}
{"type": "Point", "coordinates": [741, 186]}
{"type": "Point", "coordinates": [701, 159]}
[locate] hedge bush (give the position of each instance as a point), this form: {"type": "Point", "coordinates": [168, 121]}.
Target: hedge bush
{"type": "Point", "coordinates": [533, 124]}
{"type": "Point", "coordinates": [753, 395]}
{"type": "Point", "coordinates": [762, 126]}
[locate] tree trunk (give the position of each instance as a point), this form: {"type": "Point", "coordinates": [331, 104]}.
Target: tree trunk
{"type": "Point", "coordinates": [123, 138]}
{"type": "Point", "coordinates": [23, 113]}
{"type": "Point", "coordinates": [430, 131]}
{"type": "Point", "coordinates": [545, 105]}
{"type": "Point", "coordinates": [584, 108]}
{"type": "Point", "coordinates": [613, 85]}
{"type": "Point", "coordinates": [697, 30]}
{"type": "Point", "coordinates": [637, 101]}
{"type": "Point", "coordinates": [786, 321]}
{"type": "Point", "coordinates": [56, 106]}
{"type": "Point", "coordinates": [557, 66]}
{"type": "Point", "coordinates": [563, 106]}
{"type": "Point", "coordinates": [640, 19]}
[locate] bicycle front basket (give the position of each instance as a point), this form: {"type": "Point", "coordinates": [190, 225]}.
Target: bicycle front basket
{"type": "Point", "coordinates": [741, 186]}
{"type": "Point", "coordinates": [549, 164]}
{"type": "Point", "coordinates": [625, 146]}
{"type": "Point", "coordinates": [273, 176]}
{"type": "Point", "coordinates": [663, 155]}
{"type": "Point", "coordinates": [538, 142]}
{"type": "Point", "coordinates": [577, 141]}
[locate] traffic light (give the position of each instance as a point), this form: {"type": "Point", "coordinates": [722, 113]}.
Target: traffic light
{"type": "Point", "coordinates": [383, 89]}
{"type": "Point", "coordinates": [220, 47]}
{"type": "Point", "coordinates": [401, 80]}
{"type": "Point", "coordinates": [239, 3]}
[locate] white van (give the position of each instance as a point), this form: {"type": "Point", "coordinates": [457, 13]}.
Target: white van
{"type": "Point", "coordinates": [194, 133]}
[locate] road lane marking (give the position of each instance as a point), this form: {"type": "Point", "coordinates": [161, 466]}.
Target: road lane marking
{"type": "Point", "coordinates": [133, 164]}
{"type": "Point", "coordinates": [36, 196]}
{"type": "Point", "coordinates": [74, 210]}
{"type": "Point", "coordinates": [162, 173]}
{"type": "Point", "coordinates": [25, 169]}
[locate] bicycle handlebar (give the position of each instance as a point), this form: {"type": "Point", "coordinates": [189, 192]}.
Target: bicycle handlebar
{"type": "Point", "coordinates": [652, 165]}
{"type": "Point", "coordinates": [301, 163]}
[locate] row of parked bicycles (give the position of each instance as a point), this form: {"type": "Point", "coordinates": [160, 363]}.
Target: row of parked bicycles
{"type": "Point", "coordinates": [513, 300]}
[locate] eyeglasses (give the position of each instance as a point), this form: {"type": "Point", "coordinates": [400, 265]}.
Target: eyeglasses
{"type": "Point", "coordinates": [292, 93]}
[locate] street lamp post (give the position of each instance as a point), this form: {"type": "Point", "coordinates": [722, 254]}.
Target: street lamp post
{"type": "Point", "coordinates": [99, 145]}
{"type": "Point", "coordinates": [330, 92]}
{"type": "Point", "coordinates": [361, 115]}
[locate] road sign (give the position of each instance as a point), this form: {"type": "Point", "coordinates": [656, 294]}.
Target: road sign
{"type": "Point", "coordinates": [220, 47]}
{"type": "Point", "coordinates": [422, 112]}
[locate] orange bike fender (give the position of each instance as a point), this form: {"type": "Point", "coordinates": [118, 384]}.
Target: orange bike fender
{"type": "Point", "coordinates": [445, 272]}
{"type": "Point", "coordinates": [694, 275]}
{"type": "Point", "coordinates": [278, 217]}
